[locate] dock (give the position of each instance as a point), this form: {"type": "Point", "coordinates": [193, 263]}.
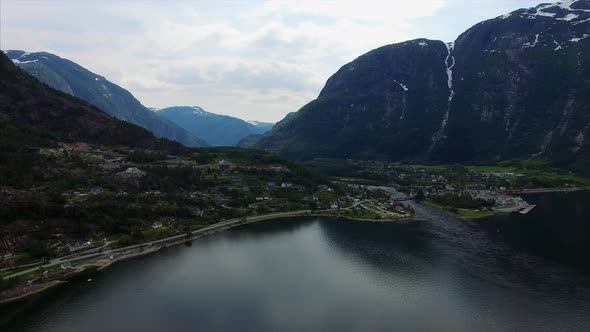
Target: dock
{"type": "Point", "coordinates": [527, 209]}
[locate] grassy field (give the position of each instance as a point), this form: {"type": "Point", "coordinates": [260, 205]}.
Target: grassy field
{"type": "Point", "coordinates": [556, 177]}
{"type": "Point", "coordinates": [8, 272]}
{"type": "Point", "coordinates": [461, 213]}
{"type": "Point", "coordinates": [470, 214]}
{"type": "Point", "coordinates": [545, 175]}
{"type": "Point", "coordinates": [441, 167]}
{"type": "Point", "coordinates": [491, 169]}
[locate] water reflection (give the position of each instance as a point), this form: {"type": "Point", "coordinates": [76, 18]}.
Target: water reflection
{"type": "Point", "coordinates": [313, 274]}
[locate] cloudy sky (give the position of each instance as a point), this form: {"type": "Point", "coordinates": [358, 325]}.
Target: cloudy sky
{"type": "Point", "coordinates": [255, 60]}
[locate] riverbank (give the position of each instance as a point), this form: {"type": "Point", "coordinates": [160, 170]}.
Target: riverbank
{"type": "Point", "coordinates": [402, 220]}
{"type": "Point", "coordinates": [551, 190]}
{"type": "Point", "coordinates": [23, 292]}
{"type": "Point", "coordinates": [107, 258]}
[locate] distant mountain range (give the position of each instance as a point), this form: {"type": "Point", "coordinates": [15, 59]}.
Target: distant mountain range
{"type": "Point", "coordinates": [215, 129]}
{"type": "Point", "coordinates": [513, 87]}
{"type": "Point", "coordinates": [71, 78]}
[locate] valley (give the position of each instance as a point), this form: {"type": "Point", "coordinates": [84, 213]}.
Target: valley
{"type": "Point", "coordinates": [429, 185]}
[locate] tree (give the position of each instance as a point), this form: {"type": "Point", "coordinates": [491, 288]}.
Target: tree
{"type": "Point", "coordinates": [420, 195]}
{"type": "Point", "coordinates": [39, 249]}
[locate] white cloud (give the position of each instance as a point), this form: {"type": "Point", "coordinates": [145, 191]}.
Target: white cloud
{"type": "Point", "coordinates": [255, 60]}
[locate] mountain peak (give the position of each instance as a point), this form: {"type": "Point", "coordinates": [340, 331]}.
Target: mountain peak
{"type": "Point", "coordinates": [199, 110]}
{"type": "Point", "coordinates": [574, 11]}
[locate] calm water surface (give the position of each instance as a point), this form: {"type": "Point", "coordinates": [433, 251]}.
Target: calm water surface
{"type": "Point", "coordinates": [504, 273]}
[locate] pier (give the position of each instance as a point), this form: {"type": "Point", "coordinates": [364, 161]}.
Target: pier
{"type": "Point", "coordinates": [527, 209]}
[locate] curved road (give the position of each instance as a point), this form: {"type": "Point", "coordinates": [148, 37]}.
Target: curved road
{"type": "Point", "coordinates": [106, 253]}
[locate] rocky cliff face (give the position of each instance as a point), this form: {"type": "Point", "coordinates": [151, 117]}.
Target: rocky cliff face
{"type": "Point", "coordinates": [516, 86]}
{"type": "Point", "coordinates": [523, 86]}
{"type": "Point", "coordinates": [69, 77]}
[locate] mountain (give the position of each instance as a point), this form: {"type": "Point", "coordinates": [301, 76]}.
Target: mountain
{"type": "Point", "coordinates": [71, 78]}
{"type": "Point", "coordinates": [263, 127]}
{"type": "Point", "coordinates": [516, 86]}
{"type": "Point", "coordinates": [251, 140]}
{"type": "Point", "coordinates": [33, 114]}
{"type": "Point", "coordinates": [216, 129]}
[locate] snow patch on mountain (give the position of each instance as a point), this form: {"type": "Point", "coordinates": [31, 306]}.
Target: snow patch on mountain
{"type": "Point", "coordinates": [568, 17]}
{"type": "Point", "coordinates": [403, 86]}
{"type": "Point", "coordinates": [18, 62]}
{"type": "Point", "coordinates": [525, 45]}
{"type": "Point", "coordinates": [577, 39]}
{"type": "Point", "coordinates": [581, 22]}
{"type": "Point", "coordinates": [553, 10]}
{"type": "Point", "coordinates": [199, 111]}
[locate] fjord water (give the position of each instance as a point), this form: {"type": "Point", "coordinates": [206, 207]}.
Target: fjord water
{"type": "Point", "coordinates": [504, 273]}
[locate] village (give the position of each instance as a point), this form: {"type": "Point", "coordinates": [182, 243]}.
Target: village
{"type": "Point", "coordinates": [466, 191]}
{"type": "Point", "coordinates": [134, 197]}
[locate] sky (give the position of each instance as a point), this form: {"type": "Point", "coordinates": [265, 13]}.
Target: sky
{"type": "Point", "coordinates": [256, 60]}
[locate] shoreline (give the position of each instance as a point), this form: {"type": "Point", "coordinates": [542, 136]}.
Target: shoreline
{"type": "Point", "coordinates": [101, 263]}
{"type": "Point", "coordinates": [32, 293]}
{"type": "Point", "coordinates": [404, 220]}
{"type": "Point", "coordinates": [96, 262]}
{"type": "Point", "coordinates": [509, 209]}
{"type": "Point", "coordinates": [551, 190]}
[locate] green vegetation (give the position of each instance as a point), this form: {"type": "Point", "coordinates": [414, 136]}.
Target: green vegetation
{"type": "Point", "coordinates": [461, 201]}
{"type": "Point", "coordinates": [463, 213]}
{"type": "Point", "coordinates": [86, 191]}
{"type": "Point", "coordinates": [472, 214]}
{"type": "Point", "coordinates": [361, 213]}
{"type": "Point", "coordinates": [144, 156]}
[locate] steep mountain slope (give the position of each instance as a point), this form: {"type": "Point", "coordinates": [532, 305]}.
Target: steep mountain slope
{"type": "Point", "coordinates": [216, 129]}
{"type": "Point", "coordinates": [517, 86]}
{"type": "Point", "coordinates": [37, 110]}
{"type": "Point", "coordinates": [385, 103]}
{"type": "Point", "coordinates": [522, 84]}
{"type": "Point", "coordinates": [73, 79]}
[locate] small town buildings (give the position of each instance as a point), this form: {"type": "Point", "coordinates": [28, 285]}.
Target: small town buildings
{"type": "Point", "coordinates": [225, 166]}
{"type": "Point", "coordinates": [79, 245]}
{"type": "Point", "coordinates": [475, 187]}
{"type": "Point", "coordinates": [96, 190]}
{"type": "Point", "coordinates": [132, 172]}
